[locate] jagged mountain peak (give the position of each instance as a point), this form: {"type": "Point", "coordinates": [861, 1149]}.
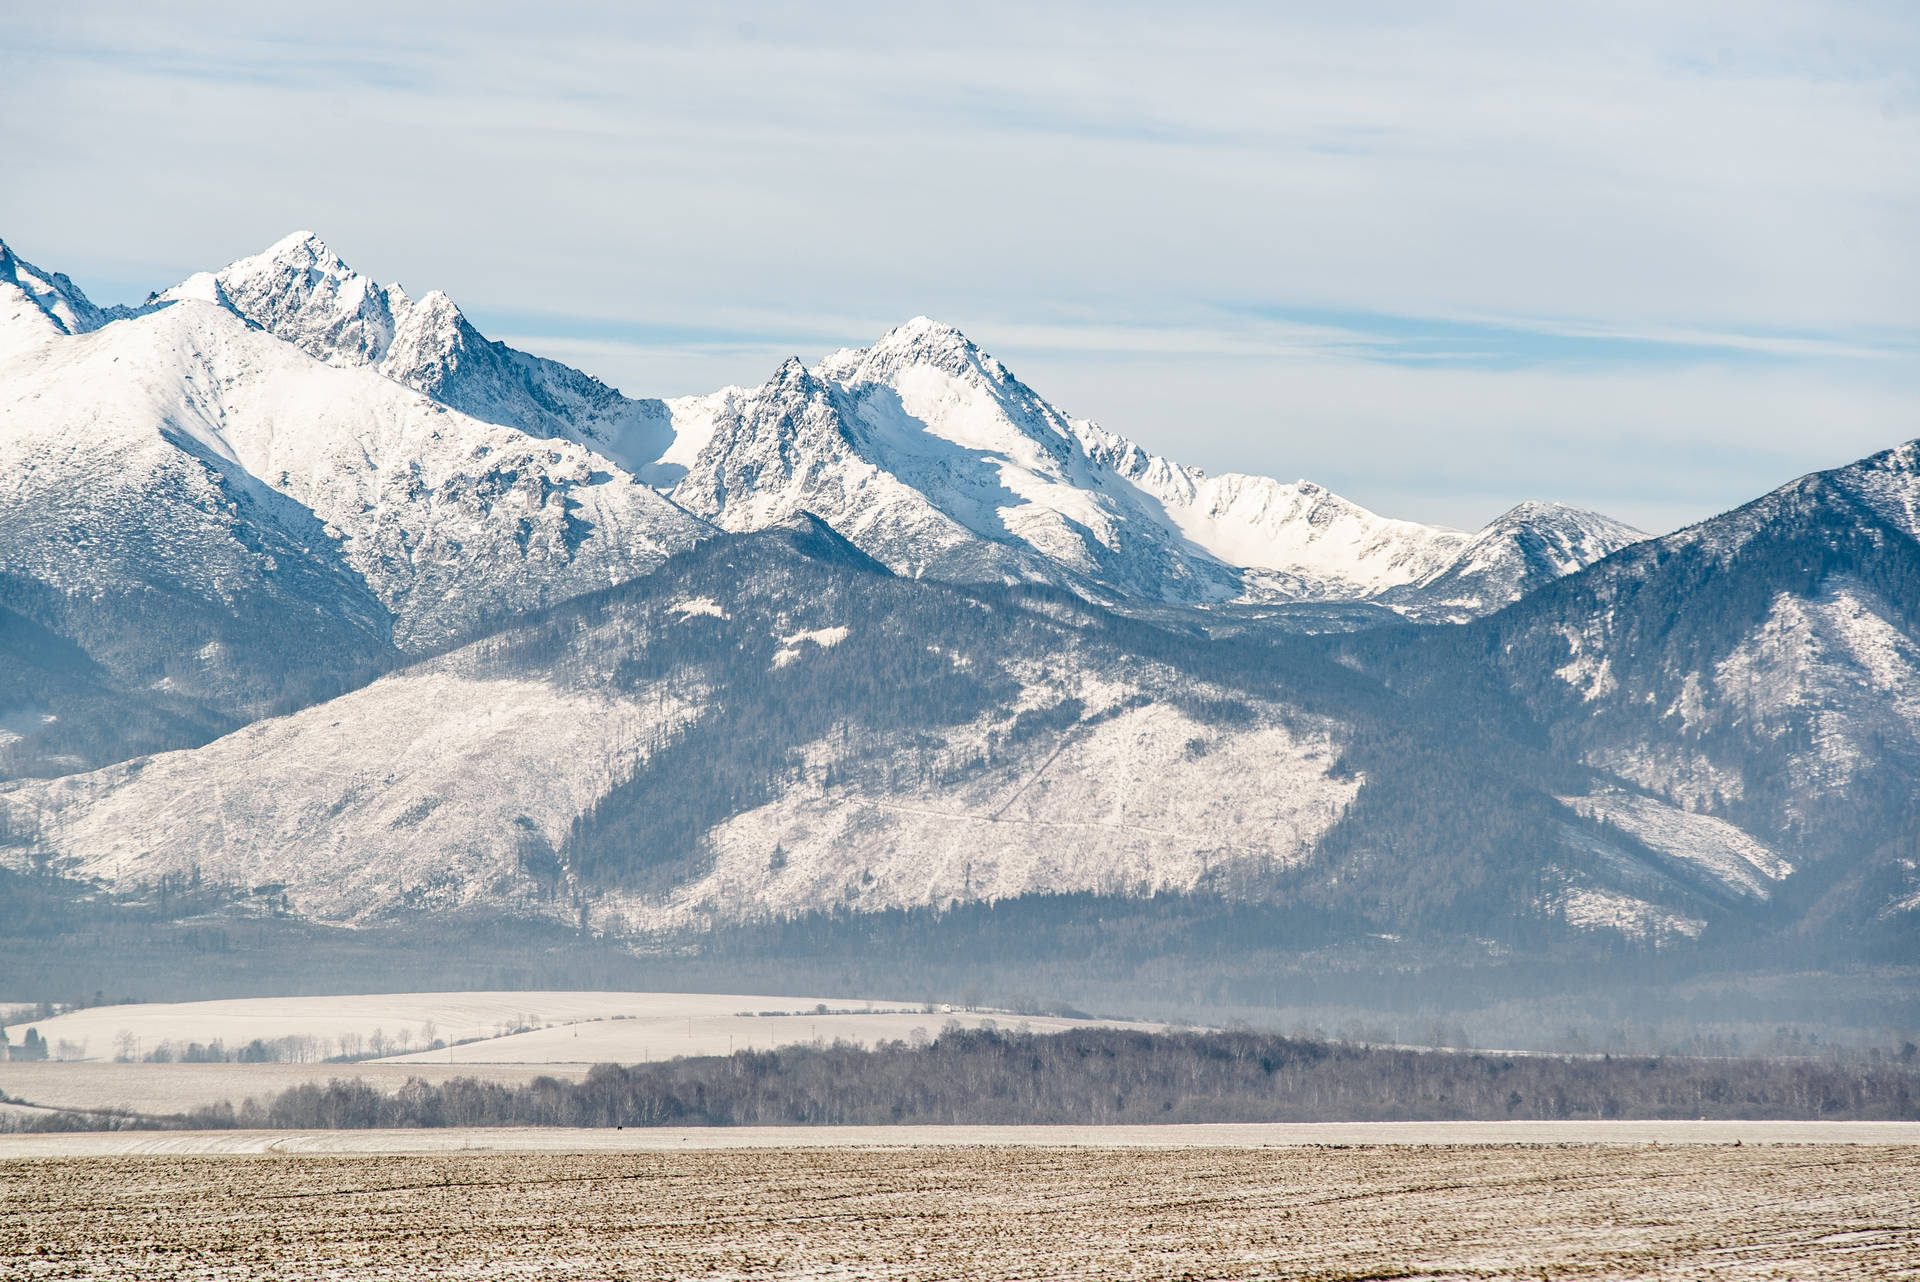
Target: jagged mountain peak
{"type": "Point", "coordinates": [36, 304]}
{"type": "Point", "coordinates": [920, 343]}
{"type": "Point", "coordinates": [1528, 545]}
{"type": "Point", "coordinates": [922, 447]}
{"type": "Point", "coordinates": [923, 333]}
{"type": "Point", "coordinates": [301, 291]}
{"type": "Point", "coordinates": [956, 434]}
{"type": "Point", "coordinates": [297, 261]}
{"type": "Point", "coordinates": [1582, 534]}
{"type": "Point", "coordinates": [304, 247]}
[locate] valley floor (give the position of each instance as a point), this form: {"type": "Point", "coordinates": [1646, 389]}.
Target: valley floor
{"type": "Point", "coordinates": [971, 1211]}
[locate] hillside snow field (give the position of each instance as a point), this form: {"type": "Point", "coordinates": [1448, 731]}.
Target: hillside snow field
{"type": "Point", "coordinates": [513, 1027]}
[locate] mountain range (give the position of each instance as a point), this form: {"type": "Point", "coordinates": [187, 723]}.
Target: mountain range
{"type": "Point", "coordinates": [306, 584]}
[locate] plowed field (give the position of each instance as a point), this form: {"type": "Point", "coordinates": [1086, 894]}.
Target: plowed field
{"type": "Point", "coordinates": [1840, 1211]}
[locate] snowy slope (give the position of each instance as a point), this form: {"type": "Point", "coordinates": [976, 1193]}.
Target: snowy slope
{"type": "Point", "coordinates": [764, 728]}
{"type": "Point", "coordinates": [1789, 622]}
{"type": "Point", "coordinates": [1760, 669]}
{"type": "Point", "coordinates": [188, 416]}
{"type": "Point", "coordinates": [1712, 847]}
{"type": "Point", "coordinates": [1527, 546]}
{"type": "Point", "coordinates": [36, 305]}
{"type": "Point", "coordinates": [430, 790]}
{"type": "Point", "coordinates": [422, 791]}
{"type": "Point", "coordinates": [300, 290]}
{"type": "Point", "coordinates": [788, 447]}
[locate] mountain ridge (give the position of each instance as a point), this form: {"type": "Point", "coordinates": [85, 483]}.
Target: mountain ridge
{"type": "Point", "coordinates": [928, 407]}
{"type": "Point", "coordinates": [889, 633]}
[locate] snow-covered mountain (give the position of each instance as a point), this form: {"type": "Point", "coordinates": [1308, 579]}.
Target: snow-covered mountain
{"type": "Point", "coordinates": [36, 305]}
{"type": "Point", "coordinates": [926, 452]}
{"type": "Point", "coordinates": [770, 725]}
{"type": "Point", "coordinates": [300, 290]}
{"type": "Point", "coordinates": [225, 526]}
{"type": "Point", "coordinates": [1525, 547]}
{"type": "Point", "coordinates": [1761, 669]}
{"type": "Point", "coordinates": [773, 726]}
{"type": "Point", "coordinates": [446, 520]}
{"type": "Point", "coordinates": [843, 641]}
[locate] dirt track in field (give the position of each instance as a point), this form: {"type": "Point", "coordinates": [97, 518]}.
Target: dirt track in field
{"type": "Point", "coordinates": [986, 1213]}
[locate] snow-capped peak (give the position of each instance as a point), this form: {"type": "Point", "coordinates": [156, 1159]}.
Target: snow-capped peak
{"type": "Point", "coordinates": [36, 305]}
{"type": "Point", "coordinates": [925, 335]}
{"type": "Point", "coordinates": [920, 343]}
{"type": "Point", "coordinates": [300, 250]}
{"type": "Point", "coordinates": [301, 291]}
{"type": "Point", "coordinates": [1530, 544]}
{"type": "Point", "coordinates": [922, 447]}
{"type": "Point", "coordinates": [1557, 538]}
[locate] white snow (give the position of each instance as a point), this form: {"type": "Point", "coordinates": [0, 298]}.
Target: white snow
{"type": "Point", "coordinates": [1144, 801]}
{"type": "Point", "coordinates": [825, 638]}
{"type": "Point", "coordinates": [435, 788]}
{"type": "Point", "coordinates": [449, 520]}
{"type": "Point", "coordinates": [1592, 908]}
{"type": "Point", "coordinates": [1837, 661]}
{"type": "Point", "coordinates": [38, 306]}
{"type": "Point", "coordinates": [425, 789]}
{"type": "Point", "coordinates": [1712, 846]}
{"type": "Point", "coordinates": [732, 1024]}
{"type": "Point", "coordinates": [564, 1026]}
{"type": "Point", "coordinates": [1589, 670]}
{"type": "Point", "coordinates": [922, 449]}
{"type": "Point", "coordinates": [932, 457]}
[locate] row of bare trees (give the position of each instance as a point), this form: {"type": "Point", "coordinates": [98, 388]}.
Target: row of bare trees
{"type": "Point", "coordinates": [1113, 1076]}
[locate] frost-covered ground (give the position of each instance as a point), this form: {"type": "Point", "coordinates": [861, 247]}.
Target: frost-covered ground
{"type": "Point", "coordinates": [985, 1212]}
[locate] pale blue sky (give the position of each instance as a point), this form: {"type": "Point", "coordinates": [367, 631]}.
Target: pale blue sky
{"type": "Point", "coordinates": [1651, 258]}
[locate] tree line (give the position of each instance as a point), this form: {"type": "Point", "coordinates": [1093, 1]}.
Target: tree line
{"type": "Point", "coordinates": [1095, 1076]}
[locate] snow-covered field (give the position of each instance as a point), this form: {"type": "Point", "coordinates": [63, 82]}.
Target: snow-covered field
{"type": "Point", "coordinates": [981, 1211]}
{"type": "Point", "coordinates": [645, 1037]}
{"type": "Point", "coordinates": [511, 1027]}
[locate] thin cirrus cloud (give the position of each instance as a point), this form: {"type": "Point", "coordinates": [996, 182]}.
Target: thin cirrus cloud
{"type": "Point", "coordinates": [1650, 258]}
